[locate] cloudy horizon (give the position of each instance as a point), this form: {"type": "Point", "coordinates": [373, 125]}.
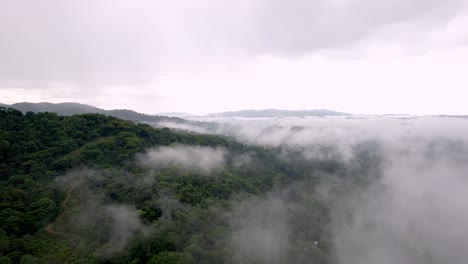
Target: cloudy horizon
{"type": "Point", "coordinates": [356, 56]}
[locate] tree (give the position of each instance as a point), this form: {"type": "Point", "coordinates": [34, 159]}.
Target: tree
{"type": "Point", "coordinates": [170, 257]}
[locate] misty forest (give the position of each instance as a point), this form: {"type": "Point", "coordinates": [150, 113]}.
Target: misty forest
{"type": "Point", "coordinates": [233, 132]}
{"type": "Point", "coordinates": [82, 187]}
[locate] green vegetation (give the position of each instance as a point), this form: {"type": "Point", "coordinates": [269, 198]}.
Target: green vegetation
{"type": "Point", "coordinates": [72, 191]}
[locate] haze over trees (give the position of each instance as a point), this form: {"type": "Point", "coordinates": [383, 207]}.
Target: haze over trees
{"type": "Point", "coordinates": [91, 188]}
{"type": "Point", "coordinates": [242, 132]}
{"type": "Point", "coordinates": [77, 189]}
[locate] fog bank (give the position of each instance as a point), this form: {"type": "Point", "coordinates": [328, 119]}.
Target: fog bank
{"type": "Point", "coordinates": [200, 158]}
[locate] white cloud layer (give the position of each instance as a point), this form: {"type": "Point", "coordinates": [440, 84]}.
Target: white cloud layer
{"type": "Point", "coordinates": [403, 197]}
{"type": "Point", "coordinates": [200, 158]}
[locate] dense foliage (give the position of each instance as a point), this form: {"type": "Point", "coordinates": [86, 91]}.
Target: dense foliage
{"type": "Point", "coordinates": [72, 190]}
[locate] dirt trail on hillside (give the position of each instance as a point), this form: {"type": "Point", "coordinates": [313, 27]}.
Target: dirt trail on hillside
{"type": "Point", "coordinates": [50, 227]}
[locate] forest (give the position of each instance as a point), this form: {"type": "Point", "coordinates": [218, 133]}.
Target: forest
{"type": "Point", "coordinates": [91, 188]}
{"type": "Point", "coordinates": [233, 132]}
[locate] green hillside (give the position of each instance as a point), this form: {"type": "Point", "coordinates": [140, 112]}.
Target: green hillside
{"type": "Point", "coordinates": [73, 190]}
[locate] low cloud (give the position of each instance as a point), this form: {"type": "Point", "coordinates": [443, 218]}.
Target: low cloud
{"type": "Point", "coordinates": [114, 225]}
{"type": "Point", "coordinates": [242, 160]}
{"type": "Point", "coordinates": [287, 225]}
{"type": "Point", "coordinates": [200, 158]}
{"type": "Point", "coordinates": [323, 138]}
{"type": "Point", "coordinates": [401, 196]}
{"type": "Point", "coordinates": [125, 223]}
{"type": "Point", "coordinates": [415, 214]}
{"type": "Point", "coordinates": [181, 126]}
{"type": "Point", "coordinates": [261, 229]}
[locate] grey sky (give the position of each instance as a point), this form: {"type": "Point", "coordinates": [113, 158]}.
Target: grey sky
{"type": "Point", "coordinates": [217, 55]}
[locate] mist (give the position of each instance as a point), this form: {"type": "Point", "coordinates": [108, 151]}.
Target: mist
{"type": "Point", "coordinates": [367, 164]}
{"type": "Point", "coordinates": [260, 229]}
{"type": "Point", "coordinates": [416, 213]}
{"type": "Point", "coordinates": [118, 223]}
{"type": "Point", "coordinates": [204, 159]}
{"type": "Point", "coordinates": [397, 134]}
{"type": "Point", "coordinates": [333, 190]}
{"type": "Point", "coordinates": [409, 207]}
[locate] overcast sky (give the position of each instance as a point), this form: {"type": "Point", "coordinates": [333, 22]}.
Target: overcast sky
{"type": "Point", "coordinates": [202, 56]}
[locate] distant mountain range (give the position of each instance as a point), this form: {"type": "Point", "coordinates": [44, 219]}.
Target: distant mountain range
{"type": "Point", "coordinates": [280, 113]}
{"type": "Point", "coordinates": [61, 108]}
{"type": "Point", "coordinates": [68, 109]}
{"type": "Point", "coordinates": [77, 108]}
{"type": "Point", "coordinates": [177, 119]}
